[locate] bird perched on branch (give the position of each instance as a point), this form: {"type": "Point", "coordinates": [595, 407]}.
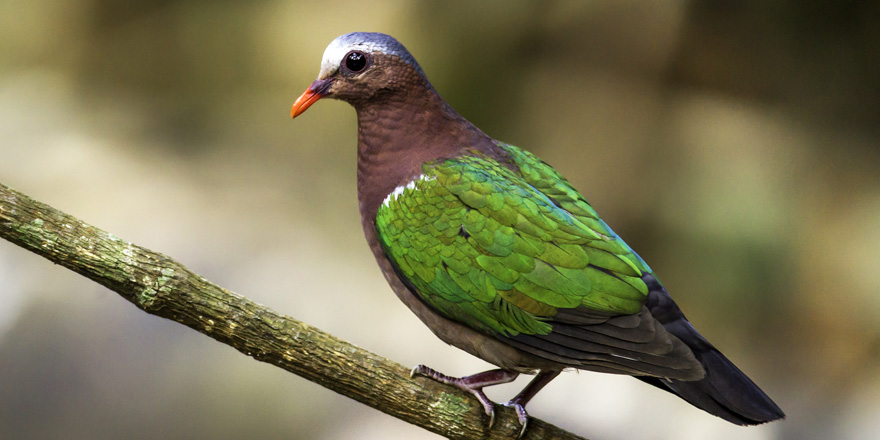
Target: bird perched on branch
{"type": "Point", "coordinates": [500, 256]}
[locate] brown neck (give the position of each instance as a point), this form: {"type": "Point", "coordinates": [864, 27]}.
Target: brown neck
{"type": "Point", "coordinates": [399, 132]}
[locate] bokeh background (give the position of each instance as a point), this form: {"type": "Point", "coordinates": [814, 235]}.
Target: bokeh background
{"type": "Point", "coordinates": [734, 145]}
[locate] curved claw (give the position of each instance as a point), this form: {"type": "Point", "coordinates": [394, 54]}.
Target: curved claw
{"type": "Point", "coordinates": [417, 370]}
{"type": "Point", "coordinates": [521, 415]}
{"type": "Point", "coordinates": [490, 411]}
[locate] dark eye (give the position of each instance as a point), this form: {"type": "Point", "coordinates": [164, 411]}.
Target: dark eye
{"type": "Point", "coordinates": [355, 61]}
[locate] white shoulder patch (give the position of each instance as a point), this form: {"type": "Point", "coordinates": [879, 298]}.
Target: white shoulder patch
{"type": "Point", "coordinates": [409, 186]}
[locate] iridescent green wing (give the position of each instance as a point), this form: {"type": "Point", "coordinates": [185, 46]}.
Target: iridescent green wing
{"type": "Point", "coordinates": [553, 185]}
{"type": "Point", "coordinates": [484, 246]}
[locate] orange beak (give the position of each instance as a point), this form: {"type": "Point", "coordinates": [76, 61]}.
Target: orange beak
{"type": "Point", "coordinates": [316, 91]}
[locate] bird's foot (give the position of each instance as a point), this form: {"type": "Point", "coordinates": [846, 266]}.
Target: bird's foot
{"type": "Point", "coordinates": [519, 402]}
{"type": "Point", "coordinates": [474, 385]}
{"type": "Point", "coordinates": [521, 415]}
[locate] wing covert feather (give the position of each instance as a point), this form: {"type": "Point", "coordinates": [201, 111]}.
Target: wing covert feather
{"type": "Point", "coordinates": [472, 234]}
{"type": "Point", "coordinates": [522, 257]}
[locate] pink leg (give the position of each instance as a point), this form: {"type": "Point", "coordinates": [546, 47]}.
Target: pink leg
{"type": "Point", "coordinates": [519, 402]}
{"type": "Point", "coordinates": [474, 384]}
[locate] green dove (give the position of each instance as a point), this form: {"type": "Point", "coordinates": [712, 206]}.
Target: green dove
{"type": "Point", "coordinates": [500, 256]}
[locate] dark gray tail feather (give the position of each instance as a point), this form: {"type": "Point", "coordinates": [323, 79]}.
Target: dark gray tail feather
{"type": "Point", "coordinates": [725, 391]}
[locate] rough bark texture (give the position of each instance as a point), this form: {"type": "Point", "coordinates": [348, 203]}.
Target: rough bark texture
{"type": "Point", "coordinates": [163, 287]}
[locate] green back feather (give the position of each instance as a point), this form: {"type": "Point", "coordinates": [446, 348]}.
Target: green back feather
{"type": "Point", "coordinates": [501, 251]}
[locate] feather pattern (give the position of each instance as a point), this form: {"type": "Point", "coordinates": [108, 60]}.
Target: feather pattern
{"type": "Point", "coordinates": [503, 249]}
{"type": "Point", "coordinates": [500, 256]}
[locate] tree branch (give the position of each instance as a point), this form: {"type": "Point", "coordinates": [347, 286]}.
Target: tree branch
{"type": "Point", "coordinates": [163, 287]}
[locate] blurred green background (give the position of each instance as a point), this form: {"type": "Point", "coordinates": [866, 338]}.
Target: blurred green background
{"type": "Point", "coordinates": [734, 145]}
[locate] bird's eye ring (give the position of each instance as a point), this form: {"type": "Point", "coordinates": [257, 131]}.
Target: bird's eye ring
{"type": "Point", "coordinates": [355, 61]}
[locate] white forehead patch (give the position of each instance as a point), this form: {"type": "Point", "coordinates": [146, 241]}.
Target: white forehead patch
{"type": "Point", "coordinates": [334, 53]}
{"type": "Point", "coordinates": [368, 42]}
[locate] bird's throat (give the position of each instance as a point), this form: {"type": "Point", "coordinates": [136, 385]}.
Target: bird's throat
{"type": "Point", "coordinates": [400, 133]}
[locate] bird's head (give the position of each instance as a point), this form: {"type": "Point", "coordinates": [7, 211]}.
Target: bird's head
{"type": "Point", "coordinates": [359, 67]}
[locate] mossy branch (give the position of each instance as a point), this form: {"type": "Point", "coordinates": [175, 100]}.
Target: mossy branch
{"type": "Point", "coordinates": [163, 287]}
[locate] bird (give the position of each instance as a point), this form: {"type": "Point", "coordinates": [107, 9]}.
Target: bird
{"type": "Point", "coordinates": [500, 256]}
